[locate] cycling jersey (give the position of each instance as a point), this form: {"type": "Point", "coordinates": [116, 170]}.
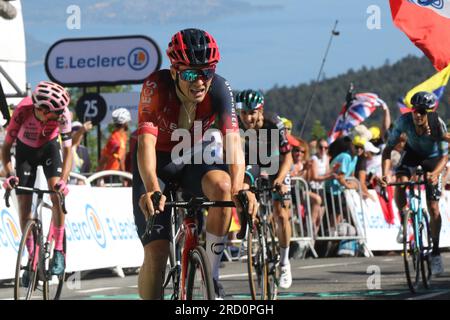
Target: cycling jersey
{"type": "Point", "coordinates": [159, 109]}
{"type": "Point", "coordinates": [264, 141]}
{"type": "Point", "coordinates": [423, 145]}
{"type": "Point", "coordinates": [25, 127]}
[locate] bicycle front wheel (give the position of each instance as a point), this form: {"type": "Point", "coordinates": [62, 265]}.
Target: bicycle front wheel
{"type": "Point", "coordinates": [53, 284]}
{"type": "Point", "coordinates": [426, 248]}
{"type": "Point", "coordinates": [256, 264]}
{"type": "Point", "coordinates": [199, 284]}
{"type": "Point", "coordinates": [26, 284]}
{"type": "Point", "coordinates": [411, 252]}
{"type": "Point", "coordinates": [273, 262]}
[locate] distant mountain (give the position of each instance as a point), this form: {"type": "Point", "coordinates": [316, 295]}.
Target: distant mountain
{"type": "Point", "coordinates": [390, 82]}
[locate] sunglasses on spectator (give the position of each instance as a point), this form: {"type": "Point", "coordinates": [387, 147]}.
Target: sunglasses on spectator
{"type": "Point", "coordinates": [192, 75]}
{"type": "Point", "coordinates": [298, 150]}
{"type": "Point", "coordinates": [323, 147]}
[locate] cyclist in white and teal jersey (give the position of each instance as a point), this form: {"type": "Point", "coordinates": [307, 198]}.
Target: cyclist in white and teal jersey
{"type": "Point", "coordinates": [426, 147]}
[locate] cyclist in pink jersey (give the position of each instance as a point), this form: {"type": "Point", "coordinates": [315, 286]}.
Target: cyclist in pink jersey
{"type": "Point", "coordinates": [34, 126]}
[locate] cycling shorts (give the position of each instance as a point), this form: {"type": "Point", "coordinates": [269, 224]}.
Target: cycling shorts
{"type": "Point", "coordinates": [187, 176]}
{"type": "Point", "coordinates": [408, 164]}
{"type": "Point", "coordinates": [29, 158]}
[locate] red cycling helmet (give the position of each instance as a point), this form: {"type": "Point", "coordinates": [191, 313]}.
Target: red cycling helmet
{"type": "Point", "coordinates": [51, 96]}
{"type": "Point", "coordinates": [193, 47]}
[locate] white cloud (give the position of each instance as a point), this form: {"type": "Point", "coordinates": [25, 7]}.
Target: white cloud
{"type": "Point", "coordinates": [140, 11]}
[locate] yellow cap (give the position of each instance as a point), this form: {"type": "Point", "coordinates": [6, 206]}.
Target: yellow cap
{"type": "Point", "coordinates": [376, 133]}
{"type": "Point", "coordinates": [359, 141]}
{"type": "Point", "coordinates": [287, 123]}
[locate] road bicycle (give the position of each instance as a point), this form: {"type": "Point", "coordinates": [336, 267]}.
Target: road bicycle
{"type": "Point", "coordinates": [417, 243]}
{"type": "Point", "coordinates": [263, 256]}
{"type": "Point", "coordinates": [190, 270]}
{"type": "Point", "coordinates": [33, 277]}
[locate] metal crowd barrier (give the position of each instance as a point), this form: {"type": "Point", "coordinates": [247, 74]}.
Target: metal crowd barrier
{"type": "Point", "coordinates": [337, 221]}
{"type": "Point", "coordinates": [301, 220]}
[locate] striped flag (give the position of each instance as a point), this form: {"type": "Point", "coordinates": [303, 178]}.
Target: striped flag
{"type": "Point", "coordinates": [361, 107]}
{"type": "Point", "coordinates": [435, 84]}
{"type": "Point", "coordinates": [427, 25]}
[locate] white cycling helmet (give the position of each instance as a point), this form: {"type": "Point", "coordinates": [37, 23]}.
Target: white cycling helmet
{"type": "Point", "coordinates": [121, 116]}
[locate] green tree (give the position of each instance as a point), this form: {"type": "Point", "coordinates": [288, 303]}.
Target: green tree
{"type": "Point", "coordinates": [318, 131]}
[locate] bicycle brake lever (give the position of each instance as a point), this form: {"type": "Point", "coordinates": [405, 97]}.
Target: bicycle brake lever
{"type": "Point", "coordinates": [245, 217]}
{"type": "Point", "coordinates": [156, 197]}
{"type": "Point", "coordinates": [6, 197]}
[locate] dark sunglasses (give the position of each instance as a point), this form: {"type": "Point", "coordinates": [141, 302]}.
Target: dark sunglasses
{"type": "Point", "coordinates": [298, 150]}
{"type": "Point", "coordinates": [192, 75]}
{"type": "Point", "coordinates": [46, 111]}
{"type": "Point", "coordinates": [421, 111]}
{"type": "Point", "coordinates": [323, 147]}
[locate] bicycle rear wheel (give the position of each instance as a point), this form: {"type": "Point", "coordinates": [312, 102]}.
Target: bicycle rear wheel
{"type": "Point", "coordinates": [53, 284]}
{"type": "Point", "coordinates": [411, 252]}
{"type": "Point", "coordinates": [199, 284]}
{"type": "Point", "coordinates": [426, 248]}
{"type": "Point", "coordinates": [273, 258]}
{"type": "Point", "coordinates": [256, 264]}
{"type": "Point", "coordinates": [26, 284]}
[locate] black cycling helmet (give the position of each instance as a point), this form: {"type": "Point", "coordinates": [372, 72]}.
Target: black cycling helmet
{"type": "Point", "coordinates": [249, 100]}
{"type": "Point", "coordinates": [424, 100]}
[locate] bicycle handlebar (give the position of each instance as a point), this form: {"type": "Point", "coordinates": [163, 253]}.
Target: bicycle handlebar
{"type": "Point", "coordinates": [38, 191]}
{"type": "Point", "coordinates": [193, 204]}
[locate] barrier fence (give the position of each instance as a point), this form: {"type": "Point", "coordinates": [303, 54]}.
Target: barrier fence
{"type": "Point", "coordinates": [101, 232]}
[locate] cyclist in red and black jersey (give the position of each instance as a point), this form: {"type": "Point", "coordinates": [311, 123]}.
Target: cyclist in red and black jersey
{"type": "Point", "coordinates": [174, 99]}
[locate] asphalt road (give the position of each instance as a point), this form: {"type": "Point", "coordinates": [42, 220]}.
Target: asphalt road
{"type": "Point", "coordinates": [377, 278]}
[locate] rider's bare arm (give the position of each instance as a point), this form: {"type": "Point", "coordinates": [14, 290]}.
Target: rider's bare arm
{"type": "Point", "coordinates": [6, 158]}
{"type": "Point", "coordinates": [146, 160]}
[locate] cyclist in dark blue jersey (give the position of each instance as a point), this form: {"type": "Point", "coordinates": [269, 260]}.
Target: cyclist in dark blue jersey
{"type": "Point", "coordinates": [425, 146]}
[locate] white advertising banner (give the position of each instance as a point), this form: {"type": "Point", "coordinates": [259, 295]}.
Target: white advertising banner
{"type": "Point", "coordinates": [100, 231]}
{"type": "Point", "coordinates": [127, 100]}
{"type": "Point", "coordinates": [381, 236]}
{"type": "Point", "coordinates": [102, 61]}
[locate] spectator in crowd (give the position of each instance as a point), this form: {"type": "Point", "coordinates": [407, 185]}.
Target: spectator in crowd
{"type": "Point", "coordinates": [343, 162]}
{"type": "Point", "coordinates": [128, 160]}
{"type": "Point", "coordinates": [288, 124]}
{"type": "Point", "coordinates": [302, 168]}
{"type": "Point", "coordinates": [362, 147]}
{"type": "Point", "coordinates": [313, 147]}
{"type": "Point", "coordinates": [81, 161]}
{"type": "Point", "coordinates": [320, 166]}
{"type": "Point", "coordinates": [113, 154]}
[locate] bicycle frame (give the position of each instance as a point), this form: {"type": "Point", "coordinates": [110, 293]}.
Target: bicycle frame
{"type": "Point", "coordinates": [185, 236]}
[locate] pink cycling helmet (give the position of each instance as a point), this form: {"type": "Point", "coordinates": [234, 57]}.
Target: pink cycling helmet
{"type": "Point", "coordinates": [51, 96]}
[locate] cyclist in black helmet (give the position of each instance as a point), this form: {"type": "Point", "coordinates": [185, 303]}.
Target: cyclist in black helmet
{"type": "Point", "coordinates": [425, 146]}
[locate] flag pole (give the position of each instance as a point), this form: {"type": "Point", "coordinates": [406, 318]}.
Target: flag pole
{"type": "Point", "coordinates": [334, 32]}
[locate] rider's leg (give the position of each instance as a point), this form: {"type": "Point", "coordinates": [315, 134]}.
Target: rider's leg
{"type": "Point", "coordinates": [151, 274]}
{"type": "Point", "coordinates": [284, 232]}
{"type": "Point", "coordinates": [216, 185]}
{"type": "Point", "coordinates": [58, 216]}
{"type": "Point", "coordinates": [400, 193]}
{"type": "Point", "coordinates": [435, 224]}
{"type": "Point", "coordinates": [25, 201]}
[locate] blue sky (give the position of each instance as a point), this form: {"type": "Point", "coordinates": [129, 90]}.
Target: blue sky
{"type": "Point", "coordinates": [263, 43]}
